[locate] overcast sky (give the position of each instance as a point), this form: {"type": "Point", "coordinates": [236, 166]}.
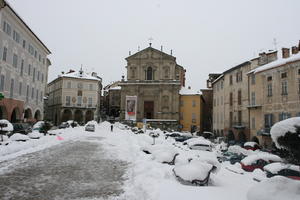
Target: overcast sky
{"type": "Point", "coordinates": [205, 36]}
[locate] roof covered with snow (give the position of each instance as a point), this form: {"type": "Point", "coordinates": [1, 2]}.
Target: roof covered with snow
{"type": "Point", "coordinates": [80, 75]}
{"type": "Point", "coordinates": [187, 91]}
{"type": "Point", "coordinates": [115, 88]}
{"type": "Point", "coordinates": [277, 63]}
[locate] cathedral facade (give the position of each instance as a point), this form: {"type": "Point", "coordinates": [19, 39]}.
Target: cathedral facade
{"type": "Point", "coordinates": [153, 83]}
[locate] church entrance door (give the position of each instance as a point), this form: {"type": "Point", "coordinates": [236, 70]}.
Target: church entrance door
{"type": "Point", "coordinates": [148, 109]}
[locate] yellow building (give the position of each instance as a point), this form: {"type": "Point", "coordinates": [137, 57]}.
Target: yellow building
{"type": "Point", "coordinates": [190, 110]}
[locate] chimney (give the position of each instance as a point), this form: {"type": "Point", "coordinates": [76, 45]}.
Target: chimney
{"type": "Point", "coordinates": [171, 52]}
{"type": "Point", "coordinates": [295, 50]}
{"type": "Point", "coordinates": [94, 74]}
{"type": "Point", "coordinates": [285, 52]}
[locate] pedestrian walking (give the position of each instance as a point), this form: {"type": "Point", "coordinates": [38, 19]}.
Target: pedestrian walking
{"type": "Point", "coordinates": [111, 128]}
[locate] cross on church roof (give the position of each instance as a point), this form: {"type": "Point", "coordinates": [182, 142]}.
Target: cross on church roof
{"type": "Point", "coordinates": [150, 41]}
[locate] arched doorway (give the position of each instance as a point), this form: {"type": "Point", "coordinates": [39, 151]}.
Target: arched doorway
{"type": "Point", "coordinates": [15, 115]}
{"type": "Point", "coordinates": [37, 115]}
{"type": "Point", "coordinates": [255, 139]}
{"type": "Point", "coordinates": [230, 136]}
{"type": "Point", "coordinates": [3, 112]}
{"type": "Point", "coordinates": [66, 115]}
{"type": "Point", "coordinates": [89, 115]}
{"type": "Point", "coordinates": [242, 137]}
{"type": "Point", "coordinates": [78, 117]}
{"type": "Point", "coordinates": [27, 114]}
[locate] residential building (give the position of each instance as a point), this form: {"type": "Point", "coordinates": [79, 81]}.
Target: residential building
{"type": "Point", "coordinates": [275, 94]}
{"type": "Point", "coordinates": [152, 87]}
{"type": "Point", "coordinates": [112, 95]}
{"type": "Point", "coordinates": [191, 104]}
{"type": "Point", "coordinates": [74, 96]}
{"type": "Point", "coordinates": [23, 68]}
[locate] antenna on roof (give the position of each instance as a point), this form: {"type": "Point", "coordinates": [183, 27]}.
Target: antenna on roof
{"type": "Point", "coordinates": [171, 52]}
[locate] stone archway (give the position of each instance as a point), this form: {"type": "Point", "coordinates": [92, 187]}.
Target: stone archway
{"type": "Point", "coordinates": [15, 115]}
{"type": "Point", "coordinates": [255, 139]}
{"type": "Point", "coordinates": [78, 116]}
{"type": "Point", "coordinates": [89, 115]}
{"type": "Point", "coordinates": [3, 112]}
{"type": "Point", "coordinates": [27, 114]}
{"type": "Point", "coordinates": [37, 115]}
{"type": "Point", "coordinates": [230, 136]}
{"type": "Point", "coordinates": [66, 115]}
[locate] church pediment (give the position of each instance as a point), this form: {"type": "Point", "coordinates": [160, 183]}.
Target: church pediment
{"type": "Point", "coordinates": [150, 53]}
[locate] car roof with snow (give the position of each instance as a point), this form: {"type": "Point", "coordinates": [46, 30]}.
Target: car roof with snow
{"type": "Point", "coordinates": [276, 167]}
{"type": "Point", "coordinates": [261, 156]}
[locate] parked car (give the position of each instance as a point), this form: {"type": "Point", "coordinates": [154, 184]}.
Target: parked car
{"type": "Point", "coordinates": [23, 128]}
{"type": "Point", "coordinates": [90, 127]}
{"type": "Point", "coordinates": [258, 161]}
{"type": "Point", "coordinates": [199, 144]}
{"type": "Point", "coordinates": [6, 128]}
{"type": "Point", "coordinates": [179, 137]}
{"type": "Point", "coordinates": [282, 169]}
{"type": "Point", "coordinates": [251, 146]}
{"type": "Point", "coordinates": [64, 125]}
{"type": "Point", "coordinates": [231, 157]}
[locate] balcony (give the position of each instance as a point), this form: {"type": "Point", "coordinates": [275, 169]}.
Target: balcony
{"type": "Point", "coordinates": [264, 132]}
{"type": "Point", "coordinates": [239, 125]}
{"type": "Point", "coordinates": [254, 106]}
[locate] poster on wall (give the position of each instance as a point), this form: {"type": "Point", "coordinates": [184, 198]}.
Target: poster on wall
{"type": "Point", "coordinates": [131, 104]}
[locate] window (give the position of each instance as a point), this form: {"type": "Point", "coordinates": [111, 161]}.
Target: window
{"type": "Point", "coordinates": [68, 84]}
{"type": "Point", "coordinates": [30, 49]}
{"type": "Point", "coordinates": [68, 100]}
{"type": "Point", "coordinates": [40, 58]}
{"type": "Point", "coordinates": [29, 69]}
{"type": "Point", "coordinates": [38, 75]}
{"type": "Point", "coordinates": [22, 67]}
{"type": "Point", "coordinates": [253, 79]}
{"type": "Point", "coordinates": [4, 56]}
{"type": "Point", "coordinates": [12, 85]}
{"type": "Point", "coordinates": [283, 75]}
{"type": "Point", "coordinates": [20, 88]}
{"type": "Point", "coordinates": [91, 86]}
{"type": "Point", "coordinates": [32, 93]}
{"type": "Point", "coordinates": [284, 88]}
{"type": "Point", "coordinates": [43, 60]}
{"type": "Point", "coordinates": [2, 81]}
{"type": "Point", "coordinates": [284, 115]}
{"type": "Point", "coordinates": [42, 78]}
{"type": "Point", "coordinates": [222, 84]}
{"type": "Point", "coordinates": [35, 54]}
{"type": "Point", "coordinates": [24, 44]}
{"type": "Point", "coordinates": [240, 117]}
{"type": "Point", "coordinates": [239, 76]}
{"type": "Point", "coordinates": [41, 96]}
{"type": "Point", "coordinates": [193, 118]}
{"type": "Point", "coordinates": [15, 61]}
{"type": "Point", "coordinates": [230, 118]}
{"type": "Point", "coordinates": [16, 36]}
{"type": "Point", "coordinates": [299, 85]}
{"type": "Point", "coordinates": [27, 92]}
{"type": "Point", "coordinates": [6, 28]}
{"type": "Point", "coordinates": [269, 90]}
{"type": "Point", "coordinates": [181, 103]}
{"type": "Point", "coordinates": [253, 123]}
{"type": "Point", "coordinates": [90, 101]}
{"type": "Point", "coordinates": [269, 78]}
{"type": "Point", "coordinates": [253, 98]}
{"type": "Point", "coordinates": [194, 103]}
{"type": "Point", "coordinates": [240, 97]}
{"type": "Point", "coordinates": [298, 71]}
{"type": "Point", "coordinates": [79, 85]}
{"type": "Point", "coordinates": [37, 96]}
{"type": "Point", "coordinates": [33, 75]}
{"type": "Point", "coordinates": [149, 73]}
{"type": "Point", "coordinates": [230, 79]}
{"type": "Point", "coordinates": [268, 122]}
{"type": "Point", "coordinates": [79, 100]}
{"type": "Point", "coordinates": [230, 99]}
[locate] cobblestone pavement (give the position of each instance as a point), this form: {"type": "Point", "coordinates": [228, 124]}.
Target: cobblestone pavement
{"type": "Point", "coordinates": [71, 170]}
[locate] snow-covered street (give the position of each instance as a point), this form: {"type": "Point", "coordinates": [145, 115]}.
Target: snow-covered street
{"type": "Point", "coordinates": [76, 164]}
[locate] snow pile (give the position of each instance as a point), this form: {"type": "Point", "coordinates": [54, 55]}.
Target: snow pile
{"type": "Point", "coordinates": [281, 128]}
{"type": "Point", "coordinates": [195, 170]}
{"type": "Point", "coordinates": [34, 135]}
{"type": "Point", "coordinates": [164, 153]}
{"type": "Point", "coordinates": [276, 167]}
{"type": "Point", "coordinates": [261, 156]}
{"type": "Point", "coordinates": [19, 137]}
{"type": "Point", "coordinates": [9, 126]}
{"type": "Point", "coordinates": [55, 132]}
{"type": "Point", "coordinates": [198, 140]}
{"type": "Point", "coordinates": [275, 188]}
{"type": "Point", "coordinates": [259, 175]}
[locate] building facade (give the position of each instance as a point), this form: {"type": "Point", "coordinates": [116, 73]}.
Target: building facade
{"type": "Point", "coordinates": [191, 105]}
{"type": "Point", "coordinates": [112, 96]}
{"type": "Point", "coordinates": [23, 68]}
{"type": "Point", "coordinates": [154, 79]}
{"type": "Point", "coordinates": [74, 96]}
{"type": "Point", "coordinates": [275, 94]}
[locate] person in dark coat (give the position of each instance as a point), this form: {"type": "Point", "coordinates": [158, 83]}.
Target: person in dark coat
{"type": "Point", "coordinates": [111, 128]}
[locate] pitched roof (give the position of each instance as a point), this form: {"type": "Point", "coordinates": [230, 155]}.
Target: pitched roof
{"type": "Point", "coordinates": [153, 49]}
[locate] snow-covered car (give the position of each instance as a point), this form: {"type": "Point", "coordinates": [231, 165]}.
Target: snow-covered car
{"type": "Point", "coordinates": [90, 127]}
{"type": "Point", "coordinates": [283, 169]}
{"type": "Point", "coordinates": [258, 160]}
{"type": "Point", "coordinates": [64, 125]}
{"type": "Point", "coordinates": [34, 135]}
{"type": "Point", "coordinates": [195, 172]}
{"type": "Point", "coordinates": [180, 137]}
{"type": "Point", "coordinates": [162, 153]}
{"type": "Point", "coordinates": [23, 128]}
{"type": "Point", "coordinates": [4, 140]}
{"type": "Point", "coordinates": [19, 137]}
{"type": "Point", "coordinates": [6, 127]}
{"type": "Point", "coordinates": [200, 144]}
{"type": "Point", "coordinates": [251, 146]}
